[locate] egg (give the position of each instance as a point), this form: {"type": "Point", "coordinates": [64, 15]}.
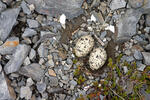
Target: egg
{"type": "Point", "coordinates": [97, 58]}
{"type": "Point", "coordinates": [84, 45]}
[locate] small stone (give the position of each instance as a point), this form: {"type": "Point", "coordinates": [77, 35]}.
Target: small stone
{"type": "Point", "coordinates": [0, 68]}
{"type": "Point", "coordinates": [51, 72]}
{"type": "Point", "coordinates": [32, 54]}
{"type": "Point", "coordinates": [53, 81]}
{"type": "Point", "coordinates": [18, 58]}
{"type": "Point", "coordinates": [26, 61]}
{"type": "Point", "coordinates": [73, 82]}
{"type": "Point", "coordinates": [138, 55]}
{"type": "Point", "coordinates": [146, 56]}
{"type": "Point", "coordinates": [25, 8]}
{"type": "Point", "coordinates": [140, 66]}
{"type": "Point", "coordinates": [117, 4]}
{"type": "Point", "coordinates": [33, 70]}
{"type": "Point", "coordinates": [32, 23]}
{"type": "Point", "coordinates": [9, 46]}
{"type": "Point", "coordinates": [65, 78]}
{"type": "Point", "coordinates": [125, 69]}
{"type": "Point", "coordinates": [69, 61]}
{"type": "Point", "coordinates": [25, 92]}
{"type": "Point", "coordinates": [31, 7]}
{"type": "Point", "coordinates": [29, 32]}
{"type": "Point", "coordinates": [147, 47]}
{"type": "Point", "coordinates": [8, 18]}
{"type": "Point", "coordinates": [42, 51]}
{"type": "Point", "coordinates": [97, 58]}
{"type": "Point", "coordinates": [41, 87]}
{"type": "Point", "coordinates": [29, 82]}
{"type": "Point", "coordinates": [84, 45]}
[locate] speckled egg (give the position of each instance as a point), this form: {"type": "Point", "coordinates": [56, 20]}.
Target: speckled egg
{"type": "Point", "coordinates": [97, 58]}
{"type": "Point", "coordinates": [84, 45]}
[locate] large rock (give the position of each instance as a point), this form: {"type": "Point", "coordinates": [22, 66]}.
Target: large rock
{"type": "Point", "coordinates": [7, 21]}
{"type": "Point", "coordinates": [127, 24]}
{"type": "Point", "coordinates": [18, 58]}
{"type": "Point", "coordinates": [6, 92]}
{"type": "Point", "coordinates": [33, 70]}
{"type": "Point", "coordinates": [9, 46]}
{"type": "Point", "coordinates": [70, 8]}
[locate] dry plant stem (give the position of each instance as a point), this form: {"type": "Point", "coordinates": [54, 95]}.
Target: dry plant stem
{"type": "Point", "coordinates": [117, 94]}
{"type": "Point", "coordinates": [99, 40]}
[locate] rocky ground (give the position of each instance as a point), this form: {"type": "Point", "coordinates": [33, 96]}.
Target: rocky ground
{"type": "Point", "coordinates": [74, 49]}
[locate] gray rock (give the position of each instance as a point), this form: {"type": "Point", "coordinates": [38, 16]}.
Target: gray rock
{"type": "Point", "coordinates": [73, 82]}
{"type": "Point", "coordinates": [147, 47]}
{"type": "Point", "coordinates": [127, 24]}
{"type": "Point", "coordinates": [42, 51]}
{"type": "Point", "coordinates": [7, 21]}
{"type": "Point", "coordinates": [54, 8]}
{"type": "Point", "coordinates": [25, 92]}
{"type": "Point", "coordinates": [29, 82]}
{"type": "Point", "coordinates": [138, 55]}
{"type": "Point", "coordinates": [25, 8]}
{"type": "Point", "coordinates": [29, 32]}
{"type": "Point", "coordinates": [136, 3]}
{"type": "Point", "coordinates": [8, 48]}
{"type": "Point", "coordinates": [33, 70]}
{"type": "Point", "coordinates": [32, 23]}
{"type": "Point", "coordinates": [53, 81]}
{"type": "Point", "coordinates": [5, 93]}
{"type": "Point", "coordinates": [2, 6]}
{"type": "Point", "coordinates": [0, 68]}
{"type": "Point", "coordinates": [103, 34]}
{"type": "Point", "coordinates": [32, 54]}
{"type": "Point", "coordinates": [69, 61]}
{"type": "Point", "coordinates": [146, 56]}
{"type": "Point", "coordinates": [147, 20]}
{"type": "Point", "coordinates": [140, 66]}
{"type": "Point", "coordinates": [116, 4]}
{"type": "Point", "coordinates": [26, 61]}
{"type": "Point", "coordinates": [18, 58]}
{"type": "Point", "coordinates": [41, 87]}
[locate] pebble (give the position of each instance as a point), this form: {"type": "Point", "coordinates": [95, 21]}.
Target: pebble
{"type": "Point", "coordinates": [8, 18]}
{"type": "Point", "coordinates": [51, 72]}
{"type": "Point", "coordinates": [0, 68]}
{"type": "Point", "coordinates": [146, 56]}
{"type": "Point", "coordinates": [140, 66]}
{"type": "Point", "coordinates": [116, 4]}
{"type": "Point", "coordinates": [2, 6]}
{"type": "Point", "coordinates": [25, 92]}
{"type": "Point", "coordinates": [147, 47]}
{"type": "Point", "coordinates": [32, 54]}
{"type": "Point", "coordinates": [29, 32]}
{"type": "Point", "coordinates": [29, 82]}
{"type": "Point", "coordinates": [18, 58]}
{"type": "Point", "coordinates": [33, 70]}
{"type": "Point", "coordinates": [25, 8]}
{"type": "Point", "coordinates": [26, 61]}
{"type": "Point", "coordinates": [42, 51]}
{"type": "Point", "coordinates": [41, 87]}
{"type": "Point", "coordinates": [53, 81]}
{"type": "Point", "coordinates": [138, 55]}
{"type": "Point", "coordinates": [32, 23]}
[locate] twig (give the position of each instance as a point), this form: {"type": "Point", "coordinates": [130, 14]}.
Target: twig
{"type": "Point", "coordinates": [117, 94]}
{"type": "Point", "coordinates": [99, 40]}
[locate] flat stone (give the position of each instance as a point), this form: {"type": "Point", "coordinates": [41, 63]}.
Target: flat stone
{"type": "Point", "coordinates": [7, 21]}
{"type": "Point", "coordinates": [6, 92]}
{"type": "Point", "coordinates": [29, 32]}
{"type": "Point", "coordinates": [32, 54]}
{"type": "Point", "coordinates": [17, 59]}
{"type": "Point", "coordinates": [42, 51]}
{"type": "Point", "coordinates": [116, 4]}
{"type": "Point", "coordinates": [9, 46]}
{"type": "Point", "coordinates": [127, 25]}
{"type": "Point", "coordinates": [25, 92]}
{"type": "Point", "coordinates": [26, 61]}
{"type": "Point", "coordinates": [32, 23]}
{"type": "Point", "coordinates": [146, 56]}
{"type": "Point", "coordinates": [25, 8]}
{"type": "Point", "coordinates": [2, 6]}
{"type": "Point", "coordinates": [147, 47]}
{"type": "Point", "coordinates": [140, 66]}
{"type": "Point", "coordinates": [54, 8]}
{"type": "Point", "coordinates": [29, 82]}
{"type": "Point", "coordinates": [33, 70]}
{"type": "Point", "coordinates": [41, 87]}
{"type": "Point", "coordinates": [138, 55]}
